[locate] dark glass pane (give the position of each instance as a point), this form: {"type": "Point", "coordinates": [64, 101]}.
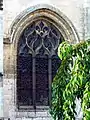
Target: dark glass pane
{"type": "Point", "coordinates": [41, 39]}
{"type": "Point", "coordinates": [24, 96]}
{"type": "Point", "coordinates": [41, 51]}
{"type": "Point", "coordinates": [24, 79]}
{"type": "Point", "coordinates": [55, 65]}
{"type": "Point", "coordinates": [30, 29]}
{"type": "Point", "coordinates": [42, 80]}
{"type": "Point", "coordinates": [41, 24]}
{"type": "Point", "coordinates": [37, 43]}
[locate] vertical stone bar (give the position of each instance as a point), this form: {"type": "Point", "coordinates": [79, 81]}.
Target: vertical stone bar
{"type": "Point", "coordinates": [50, 78]}
{"type": "Point", "coordinates": [34, 83]}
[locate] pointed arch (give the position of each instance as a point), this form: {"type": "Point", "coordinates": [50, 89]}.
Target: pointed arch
{"type": "Point", "coordinates": [48, 12]}
{"type": "Point", "coordinates": [43, 12]}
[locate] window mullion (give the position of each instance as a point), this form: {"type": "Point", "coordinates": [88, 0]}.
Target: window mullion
{"type": "Point", "coordinates": [34, 83]}
{"type": "Point", "coordinates": [50, 78]}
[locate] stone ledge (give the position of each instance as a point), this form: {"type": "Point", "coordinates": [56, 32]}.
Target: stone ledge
{"type": "Point", "coordinates": [37, 118]}
{"type": "Point", "coordinates": [32, 114]}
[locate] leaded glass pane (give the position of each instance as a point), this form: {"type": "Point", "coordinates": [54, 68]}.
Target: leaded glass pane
{"type": "Point", "coordinates": [24, 82]}
{"type": "Point", "coordinates": [42, 80]}
{"type": "Point", "coordinates": [55, 65]}
{"type": "Point", "coordinates": [37, 63]}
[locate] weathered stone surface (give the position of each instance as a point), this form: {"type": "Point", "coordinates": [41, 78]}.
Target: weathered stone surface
{"type": "Point", "coordinates": [72, 9]}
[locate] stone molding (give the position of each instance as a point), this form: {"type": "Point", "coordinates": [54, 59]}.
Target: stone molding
{"type": "Point", "coordinates": [65, 26]}
{"type": "Point", "coordinates": [46, 12]}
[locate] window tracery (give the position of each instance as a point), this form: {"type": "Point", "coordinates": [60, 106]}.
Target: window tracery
{"type": "Point", "coordinates": [37, 63]}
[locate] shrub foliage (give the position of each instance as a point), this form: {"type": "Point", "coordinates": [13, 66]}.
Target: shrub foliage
{"type": "Point", "coordinates": [72, 81]}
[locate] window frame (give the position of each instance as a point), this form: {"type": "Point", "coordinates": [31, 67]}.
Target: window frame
{"type": "Point", "coordinates": [34, 84]}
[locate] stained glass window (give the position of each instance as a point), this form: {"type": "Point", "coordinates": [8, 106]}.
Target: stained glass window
{"type": "Point", "coordinates": [37, 63]}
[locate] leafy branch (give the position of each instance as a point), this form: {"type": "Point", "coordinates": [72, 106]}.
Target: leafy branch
{"type": "Point", "coordinates": [70, 81]}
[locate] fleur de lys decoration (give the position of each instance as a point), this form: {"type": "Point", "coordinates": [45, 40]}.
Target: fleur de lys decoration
{"type": "Point", "coordinates": [41, 37]}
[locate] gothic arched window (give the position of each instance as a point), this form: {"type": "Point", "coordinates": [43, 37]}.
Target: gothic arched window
{"type": "Point", "coordinates": [37, 63]}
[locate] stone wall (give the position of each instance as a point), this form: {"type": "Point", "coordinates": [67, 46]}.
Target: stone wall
{"type": "Point", "coordinates": [73, 9]}
{"type": "Point", "coordinates": [10, 108]}
{"type": "Point", "coordinates": [1, 64]}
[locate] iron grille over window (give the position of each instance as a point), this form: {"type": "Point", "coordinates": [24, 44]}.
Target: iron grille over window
{"type": "Point", "coordinates": [37, 63]}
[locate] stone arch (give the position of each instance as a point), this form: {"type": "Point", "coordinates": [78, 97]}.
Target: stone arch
{"type": "Point", "coordinates": [47, 12]}
{"type": "Point", "coordinates": [50, 14]}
